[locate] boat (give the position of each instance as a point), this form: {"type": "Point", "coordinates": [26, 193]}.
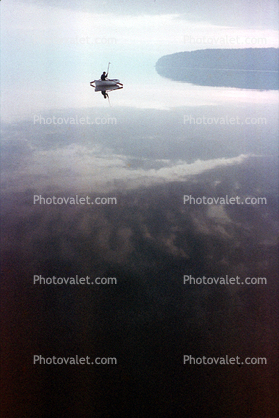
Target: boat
{"type": "Point", "coordinates": [106, 83]}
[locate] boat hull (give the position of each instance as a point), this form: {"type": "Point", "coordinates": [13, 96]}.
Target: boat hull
{"type": "Point", "coordinates": [108, 88]}
{"type": "Point", "coordinates": [105, 83]}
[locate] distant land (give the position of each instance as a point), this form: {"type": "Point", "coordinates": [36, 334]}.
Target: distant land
{"type": "Point", "coordinates": [248, 68]}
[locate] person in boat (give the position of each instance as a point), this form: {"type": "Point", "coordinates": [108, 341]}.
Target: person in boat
{"type": "Point", "coordinates": [104, 76]}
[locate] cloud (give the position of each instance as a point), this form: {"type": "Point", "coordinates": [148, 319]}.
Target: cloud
{"type": "Point", "coordinates": [237, 13]}
{"type": "Point", "coordinates": [90, 169]}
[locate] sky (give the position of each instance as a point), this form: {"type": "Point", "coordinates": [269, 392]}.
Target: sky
{"type": "Point", "coordinates": [237, 13]}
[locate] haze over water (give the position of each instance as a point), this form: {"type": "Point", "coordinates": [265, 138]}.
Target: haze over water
{"type": "Point", "coordinates": [151, 144]}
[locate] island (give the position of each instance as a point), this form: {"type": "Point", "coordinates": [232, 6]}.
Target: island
{"type": "Point", "coordinates": [248, 68]}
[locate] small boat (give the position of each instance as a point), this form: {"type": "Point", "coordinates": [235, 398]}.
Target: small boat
{"type": "Point", "coordinates": [106, 83]}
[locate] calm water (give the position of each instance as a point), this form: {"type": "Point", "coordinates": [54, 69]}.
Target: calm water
{"type": "Point", "coordinates": [152, 143]}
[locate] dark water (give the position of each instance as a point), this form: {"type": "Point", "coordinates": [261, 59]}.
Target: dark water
{"type": "Point", "coordinates": [148, 159]}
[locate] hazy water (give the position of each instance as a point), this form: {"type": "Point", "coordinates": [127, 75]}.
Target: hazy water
{"type": "Point", "coordinates": [156, 141]}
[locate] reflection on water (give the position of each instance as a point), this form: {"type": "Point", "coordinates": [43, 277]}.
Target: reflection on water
{"type": "Point", "coordinates": [148, 159]}
{"type": "Point", "coordinates": [104, 89]}
{"type": "Point", "coordinates": [260, 80]}
{"type": "Point", "coordinates": [106, 149]}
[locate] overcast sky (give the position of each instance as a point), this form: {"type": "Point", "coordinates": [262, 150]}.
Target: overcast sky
{"type": "Point", "coordinates": [244, 13]}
